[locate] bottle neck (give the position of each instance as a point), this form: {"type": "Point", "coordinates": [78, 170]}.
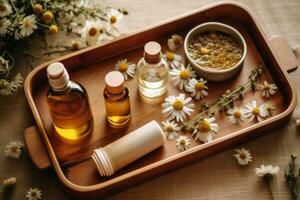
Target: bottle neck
{"type": "Point", "coordinates": [61, 89]}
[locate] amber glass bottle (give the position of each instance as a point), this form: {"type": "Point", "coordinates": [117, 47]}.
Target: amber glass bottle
{"type": "Point", "coordinates": [117, 101]}
{"type": "Point", "coordinates": [68, 105]}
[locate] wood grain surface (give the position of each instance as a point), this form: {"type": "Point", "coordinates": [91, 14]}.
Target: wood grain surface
{"type": "Point", "coordinates": [217, 177]}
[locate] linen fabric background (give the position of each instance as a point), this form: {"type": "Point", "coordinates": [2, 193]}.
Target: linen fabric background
{"type": "Point", "coordinates": [217, 177]}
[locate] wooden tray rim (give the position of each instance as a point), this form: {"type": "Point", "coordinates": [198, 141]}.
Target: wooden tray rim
{"type": "Point", "coordinates": [80, 188]}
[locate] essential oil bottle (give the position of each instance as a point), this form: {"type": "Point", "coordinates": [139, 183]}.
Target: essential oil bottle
{"type": "Point", "coordinates": [68, 105]}
{"type": "Point", "coordinates": [152, 73]}
{"type": "Point", "coordinates": [117, 102]}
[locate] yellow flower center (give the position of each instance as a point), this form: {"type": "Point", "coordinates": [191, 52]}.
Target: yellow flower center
{"type": "Point", "coordinates": [204, 126]}
{"type": "Point", "coordinates": [33, 194]}
{"type": "Point", "coordinates": [169, 129]}
{"type": "Point", "coordinates": [266, 86]}
{"type": "Point", "coordinates": [101, 30]}
{"type": "Point", "coordinates": [75, 46]}
{"type": "Point", "coordinates": [170, 56]}
{"type": "Point", "coordinates": [92, 31]}
{"type": "Point", "coordinates": [184, 74]}
{"type": "Point", "coordinates": [256, 111]}
{"type": "Point", "coordinates": [177, 40]}
{"type": "Point", "coordinates": [199, 86]}
{"type": "Point", "coordinates": [26, 23]}
{"type": "Point", "coordinates": [237, 114]}
{"type": "Point", "coordinates": [269, 108]}
{"type": "Point", "coordinates": [2, 8]}
{"type": "Point", "coordinates": [243, 156]}
{"type": "Point", "coordinates": [123, 67]}
{"type": "Point", "coordinates": [178, 105]}
{"type": "Point", "coordinates": [48, 16]}
{"type": "Point", "coordinates": [14, 149]}
{"type": "Point", "coordinates": [182, 142]}
{"type": "Point", "coordinates": [38, 8]}
{"type": "Point", "coordinates": [53, 29]}
{"type": "Point", "coordinates": [113, 19]}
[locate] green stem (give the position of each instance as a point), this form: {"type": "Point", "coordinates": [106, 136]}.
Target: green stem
{"type": "Point", "coordinates": [267, 179]}
{"type": "Point", "coordinates": [16, 10]}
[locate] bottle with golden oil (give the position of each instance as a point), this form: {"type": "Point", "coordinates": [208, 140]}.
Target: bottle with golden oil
{"type": "Point", "coordinates": [152, 73]}
{"type": "Point", "coordinates": [117, 102]}
{"type": "Point", "coordinates": [68, 105]}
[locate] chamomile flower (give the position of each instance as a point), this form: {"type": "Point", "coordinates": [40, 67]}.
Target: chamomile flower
{"type": "Point", "coordinates": [4, 66]}
{"type": "Point", "coordinates": [270, 109]}
{"type": "Point", "coordinates": [170, 128]}
{"type": "Point", "coordinates": [4, 26]}
{"type": "Point", "coordinates": [177, 107]}
{"type": "Point", "coordinates": [267, 89]}
{"type": "Point", "coordinates": [182, 76]}
{"type": "Point", "coordinates": [93, 33]}
{"type": "Point", "coordinates": [126, 68]}
{"type": "Point", "coordinates": [5, 8]}
{"type": "Point", "coordinates": [9, 182]}
{"type": "Point", "coordinates": [114, 16]}
{"type": "Point", "coordinates": [28, 25]}
{"type": "Point", "coordinates": [197, 88]}
{"type": "Point", "coordinates": [253, 111]}
{"type": "Point", "coordinates": [14, 149]}
{"type": "Point", "coordinates": [183, 143]}
{"type": "Point", "coordinates": [243, 156]}
{"type": "Point", "coordinates": [175, 42]}
{"type": "Point", "coordinates": [236, 115]}
{"type": "Point", "coordinates": [34, 194]}
{"type": "Point", "coordinates": [9, 87]}
{"type": "Point", "coordinates": [266, 170]}
{"type": "Point", "coordinates": [205, 130]}
{"type": "Point", "coordinates": [173, 60]}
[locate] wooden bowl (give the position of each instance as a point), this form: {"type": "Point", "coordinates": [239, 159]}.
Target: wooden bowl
{"type": "Point", "coordinates": [212, 74]}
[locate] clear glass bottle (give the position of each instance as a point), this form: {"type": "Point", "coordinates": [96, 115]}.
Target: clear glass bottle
{"type": "Point", "coordinates": [152, 73]}
{"type": "Point", "coordinates": [117, 102]}
{"type": "Point", "coordinates": [69, 105]}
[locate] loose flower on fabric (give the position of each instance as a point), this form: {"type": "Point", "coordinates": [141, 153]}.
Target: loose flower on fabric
{"type": "Point", "coordinates": [266, 170]}
{"type": "Point", "coordinates": [236, 115]}
{"type": "Point", "coordinates": [267, 89]}
{"type": "Point", "coordinates": [93, 33]}
{"type": "Point", "coordinates": [175, 42]}
{"type": "Point", "coordinates": [243, 156]}
{"type": "Point", "coordinates": [28, 25]}
{"type": "Point", "coordinates": [183, 143]}
{"type": "Point", "coordinates": [4, 26]}
{"type": "Point", "coordinates": [177, 107]}
{"type": "Point", "coordinates": [5, 8]}
{"type": "Point", "coordinates": [14, 149]}
{"type": "Point", "coordinates": [173, 60]}
{"type": "Point", "coordinates": [171, 129]}
{"type": "Point", "coordinates": [8, 88]}
{"type": "Point", "coordinates": [126, 68]}
{"type": "Point", "coordinates": [9, 182]}
{"type": "Point", "coordinates": [114, 17]}
{"type": "Point", "coordinates": [182, 76]}
{"type": "Point", "coordinates": [253, 111]}
{"type": "Point", "coordinates": [34, 194]}
{"type": "Point", "coordinates": [197, 88]}
{"type": "Point", "coordinates": [206, 129]}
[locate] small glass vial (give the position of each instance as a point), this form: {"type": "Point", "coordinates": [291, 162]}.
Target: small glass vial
{"type": "Point", "coordinates": [68, 105]}
{"type": "Point", "coordinates": [152, 73]}
{"type": "Point", "coordinates": [117, 102]}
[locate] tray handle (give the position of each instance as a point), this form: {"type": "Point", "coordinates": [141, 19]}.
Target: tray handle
{"type": "Point", "coordinates": [284, 53]}
{"type": "Point", "coordinates": [36, 148]}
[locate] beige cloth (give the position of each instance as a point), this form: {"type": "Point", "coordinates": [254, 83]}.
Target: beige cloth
{"type": "Point", "coordinates": [217, 177]}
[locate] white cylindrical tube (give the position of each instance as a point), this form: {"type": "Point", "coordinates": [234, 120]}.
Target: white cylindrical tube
{"type": "Point", "coordinates": [129, 148]}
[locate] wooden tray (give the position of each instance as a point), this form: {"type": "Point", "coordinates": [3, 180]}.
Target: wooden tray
{"type": "Point", "coordinates": [72, 164]}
